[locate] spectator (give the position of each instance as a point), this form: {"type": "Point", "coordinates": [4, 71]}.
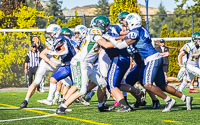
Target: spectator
{"type": "Point", "coordinates": [31, 63]}
{"type": "Point", "coordinates": [164, 51]}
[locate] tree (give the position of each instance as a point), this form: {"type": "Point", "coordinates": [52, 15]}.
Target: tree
{"type": "Point", "coordinates": [183, 22]}
{"type": "Point", "coordinates": [157, 22]}
{"type": "Point", "coordinates": [54, 9]}
{"type": "Point", "coordinates": [14, 46]}
{"type": "Point", "coordinates": [74, 21]}
{"type": "Point", "coordinates": [122, 5]}
{"type": "Point", "coordinates": [102, 7]}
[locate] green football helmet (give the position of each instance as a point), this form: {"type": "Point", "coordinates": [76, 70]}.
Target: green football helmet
{"type": "Point", "coordinates": [67, 32]}
{"type": "Point", "coordinates": [101, 22]}
{"type": "Point", "coordinates": [122, 16]}
{"type": "Point", "coordinates": [196, 38]}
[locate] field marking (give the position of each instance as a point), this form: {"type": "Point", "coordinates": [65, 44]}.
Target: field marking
{"type": "Point", "coordinates": [43, 116]}
{"type": "Point", "coordinates": [43, 109]}
{"type": "Point", "coordinates": [55, 115]}
{"type": "Point", "coordinates": [170, 121]}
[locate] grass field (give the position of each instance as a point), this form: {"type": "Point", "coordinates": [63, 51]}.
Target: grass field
{"type": "Point", "coordinates": [10, 114]}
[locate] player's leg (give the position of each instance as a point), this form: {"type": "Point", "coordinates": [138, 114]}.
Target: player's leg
{"type": "Point", "coordinates": [80, 79]}
{"type": "Point", "coordinates": [57, 93]}
{"type": "Point", "coordinates": [41, 71]}
{"type": "Point", "coordinates": [196, 72]}
{"type": "Point", "coordinates": [150, 74]}
{"type": "Point", "coordinates": [61, 73]}
{"type": "Point", "coordinates": [169, 89]}
{"type": "Point", "coordinates": [131, 79]}
{"type": "Point", "coordinates": [117, 70]}
{"type": "Point", "coordinates": [101, 83]}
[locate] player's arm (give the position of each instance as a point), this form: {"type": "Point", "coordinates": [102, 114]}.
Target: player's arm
{"type": "Point", "coordinates": [180, 59]}
{"type": "Point", "coordinates": [43, 55]}
{"type": "Point", "coordinates": [122, 33]}
{"type": "Point", "coordinates": [120, 37]}
{"type": "Point", "coordinates": [120, 45]}
{"type": "Point", "coordinates": [103, 42]}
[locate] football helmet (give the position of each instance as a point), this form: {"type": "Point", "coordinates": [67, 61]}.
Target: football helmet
{"type": "Point", "coordinates": [67, 32]}
{"type": "Point", "coordinates": [122, 16]}
{"type": "Point", "coordinates": [53, 31]}
{"type": "Point", "coordinates": [196, 38]}
{"type": "Point", "coordinates": [101, 22]}
{"type": "Point", "coordinates": [133, 20]}
{"type": "Point", "coordinates": [82, 30]}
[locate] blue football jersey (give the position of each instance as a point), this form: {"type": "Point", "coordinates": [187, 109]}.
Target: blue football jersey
{"type": "Point", "coordinates": [71, 52]}
{"type": "Point", "coordinates": [143, 42]}
{"type": "Point", "coordinates": [114, 31]}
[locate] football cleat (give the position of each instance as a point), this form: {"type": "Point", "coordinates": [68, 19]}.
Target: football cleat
{"type": "Point", "coordinates": [124, 109]}
{"type": "Point", "coordinates": [193, 91]}
{"type": "Point", "coordinates": [188, 102]}
{"type": "Point", "coordinates": [156, 104]}
{"type": "Point", "coordinates": [138, 104]}
{"type": "Point", "coordinates": [24, 104]}
{"type": "Point", "coordinates": [45, 101]}
{"type": "Point", "coordinates": [60, 110]}
{"type": "Point", "coordinates": [169, 105]}
{"type": "Point", "coordinates": [83, 101]}
{"type": "Point", "coordinates": [105, 108]}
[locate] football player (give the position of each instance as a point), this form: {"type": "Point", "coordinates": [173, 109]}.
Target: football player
{"type": "Point", "coordinates": [139, 38]}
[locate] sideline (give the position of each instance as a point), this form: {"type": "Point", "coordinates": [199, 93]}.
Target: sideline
{"type": "Point", "coordinates": [55, 115]}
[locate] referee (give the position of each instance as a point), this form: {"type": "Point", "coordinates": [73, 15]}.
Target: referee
{"type": "Point", "coordinates": [31, 62]}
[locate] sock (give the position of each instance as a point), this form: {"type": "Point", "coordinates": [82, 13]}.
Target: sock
{"type": "Point", "coordinates": [122, 101]}
{"type": "Point", "coordinates": [125, 97]}
{"type": "Point", "coordinates": [183, 97]}
{"type": "Point", "coordinates": [100, 104]}
{"type": "Point", "coordinates": [167, 99]}
{"type": "Point", "coordinates": [183, 84]}
{"type": "Point", "coordinates": [27, 99]}
{"type": "Point", "coordinates": [57, 94]}
{"type": "Point", "coordinates": [52, 89]}
{"type": "Point", "coordinates": [191, 87]}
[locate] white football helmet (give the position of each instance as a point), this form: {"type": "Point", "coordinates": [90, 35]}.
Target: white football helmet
{"type": "Point", "coordinates": [133, 21]}
{"type": "Point", "coordinates": [53, 30]}
{"type": "Point", "coordinates": [82, 30]}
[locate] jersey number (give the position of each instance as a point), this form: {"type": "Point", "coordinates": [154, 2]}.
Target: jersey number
{"type": "Point", "coordinates": [96, 32]}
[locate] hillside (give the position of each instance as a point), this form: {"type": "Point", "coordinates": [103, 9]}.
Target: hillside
{"type": "Point", "coordinates": [90, 10]}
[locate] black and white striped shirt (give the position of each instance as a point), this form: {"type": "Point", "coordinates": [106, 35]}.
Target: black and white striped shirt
{"type": "Point", "coordinates": [33, 58]}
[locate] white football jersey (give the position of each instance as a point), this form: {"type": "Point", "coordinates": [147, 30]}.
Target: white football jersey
{"type": "Point", "coordinates": [193, 53]}
{"type": "Point", "coordinates": [53, 58]}
{"type": "Point", "coordinates": [89, 52]}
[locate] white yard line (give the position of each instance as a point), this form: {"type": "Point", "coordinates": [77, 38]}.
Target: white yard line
{"type": "Point", "coordinates": [43, 109]}
{"type": "Point", "coordinates": [25, 118]}
{"type": "Point", "coordinates": [7, 108]}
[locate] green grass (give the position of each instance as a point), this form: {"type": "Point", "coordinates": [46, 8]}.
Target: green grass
{"type": "Point", "coordinates": [84, 115]}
